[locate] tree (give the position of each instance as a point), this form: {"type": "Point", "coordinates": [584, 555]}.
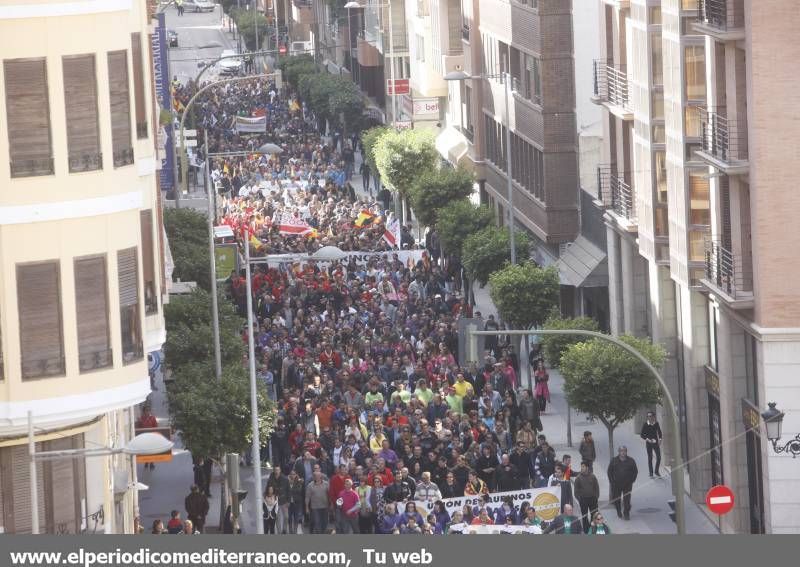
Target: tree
{"type": "Point", "coordinates": [486, 251]}
{"type": "Point", "coordinates": [246, 22]}
{"type": "Point", "coordinates": [295, 66]}
{"type": "Point", "coordinates": [606, 382]}
{"type": "Point", "coordinates": [524, 293]}
{"type": "Point", "coordinates": [187, 231]}
{"type": "Point", "coordinates": [345, 104]}
{"type": "Point", "coordinates": [458, 220]}
{"type": "Point", "coordinates": [554, 346]}
{"type": "Point", "coordinates": [189, 334]}
{"type": "Point", "coordinates": [213, 416]}
{"type": "Point", "coordinates": [435, 189]}
{"type": "Point", "coordinates": [369, 139]}
{"type": "Point", "coordinates": [402, 156]}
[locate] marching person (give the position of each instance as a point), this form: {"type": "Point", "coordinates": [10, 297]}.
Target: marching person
{"type": "Point", "coordinates": [651, 433]}
{"type": "Point", "coordinates": [587, 492]}
{"type": "Point", "coordinates": [196, 505]}
{"type": "Point", "coordinates": [622, 473]}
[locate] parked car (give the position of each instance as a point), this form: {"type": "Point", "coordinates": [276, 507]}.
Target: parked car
{"type": "Point", "coordinates": [200, 5]}
{"type": "Point", "coordinates": [172, 37]}
{"type": "Point", "coordinates": [232, 64]}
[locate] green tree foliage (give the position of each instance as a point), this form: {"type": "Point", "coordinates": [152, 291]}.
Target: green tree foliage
{"type": "Point", "coordinates": [213, 415]}
{"type": "Point", "coordinates": [458, 220]}
{"type": "Point", "coordinates": [524, 293]}
{"type": "Point", "coordinates": [605, 382]}
{"type": "Point", "coordinates": [296, 66]}
{"type": "Point", "coordinates": [246, 22]}
{"type": "Point", "coordinates": [435, 189]}
{"type": "Point", "coordinates": [345, 103]}
{"type": "Point", "coordinates": [554, 346]}
{"type": "Point", "coordinates": [189, 334]}
{"type": "Point", "coordinates": [488, 250]}
{"type": "Point", "coordinates": [402, 156]}
{"type": "Point", "coordinates": [187, 231]}
{"type": "Point", "coordinates": [369, 139]}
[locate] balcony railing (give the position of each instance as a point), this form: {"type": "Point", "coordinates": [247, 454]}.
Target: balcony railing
{"type": "Point", "coordinates": [96, 360]}
{"type": "Point", "coordinates": [611, 83]}
{"type": "Point", "coordinates": [727, 272]}
{"type": "Point", "coordinates": [723, 15]}
{"type": "Point", "coordinates": [123, 157]}
{"type": "Point", "coordinates": [85, 162]}
{"type": "Point", "coordinates": [723, 139]}
{"type": "Point", "coordinates": [615, 193]}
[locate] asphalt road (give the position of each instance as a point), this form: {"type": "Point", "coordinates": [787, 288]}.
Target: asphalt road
{"type": "Point", "coordinates": [201, 38]}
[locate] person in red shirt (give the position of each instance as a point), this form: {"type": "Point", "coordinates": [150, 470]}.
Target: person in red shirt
{"type": "Point", "coordinates": [328, 354]}
{"type": "Point", "coordinates": [347, 506]}
{"type": "Point", "coordinates": [147, 421]}
{"type": "Point", "coordinates": [336, 483]}
{"type": "Point", "coordinates": [483, 519]}
{"type": "Point", "coordinates": [325, 414]}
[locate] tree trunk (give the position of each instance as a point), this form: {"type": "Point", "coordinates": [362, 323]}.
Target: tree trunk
{"type": "Point", "coordinates": [223, 496]}
{"type": "Point", "coordinates": [610, 429]}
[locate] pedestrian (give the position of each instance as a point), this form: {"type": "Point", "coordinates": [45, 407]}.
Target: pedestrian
{"type": "Point", "coordinates": [296, 507]}
{"type": "Point", "coordinates": [280, 484]}
{"type": "Point", "coordinates": [158, 528]}
{"type": "Point", "coordinates": [565, 523]}
{"type": "Point", "coordinates": [196, 505]}
{"type": "Point", "coordinates": [366, 510]}
{"type": "Point", "coordinates": [587, 492]}
{"type": "Point", "coordinates": [529, 412]}
{"type": "Point", "coordinates": [189, 529]}
{"type": "Point", "coordinates": [348, 504]}
{"type": "Point", "coordinates": [317, 503]}
{"type": "Point", "coordinates": [587, 450]}
{"type": "Point", "coordinates": [269, 510]}
{"type": "Point", "coordinates": [622, 473]}
{"type": "Point", "coordinates": [365, 173]}
{"type": "Point", "coordinates": [147, 421]}
{"type": "Point", "coordinates": [175, 524]}
{"type": "Point", "coordinates": [491, 340]}
{"type": "Point", "coordinates": [651, 433]}
{"type": "Point", "coordinates": [179, 5]}
{"type": "Point", "coordinates": [542, 391]}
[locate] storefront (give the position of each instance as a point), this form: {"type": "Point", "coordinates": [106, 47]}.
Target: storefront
{"type": "Point", "coordinates": [755, 483]}
{"type": "Point", "coordinates": [714, 427]}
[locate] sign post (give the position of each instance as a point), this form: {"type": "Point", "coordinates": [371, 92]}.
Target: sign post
{"type": "Point", "coordinates": [720, 501]}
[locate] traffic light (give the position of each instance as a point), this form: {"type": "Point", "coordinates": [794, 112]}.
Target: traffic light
{"type": "Point", "coordinates": [672, 509]}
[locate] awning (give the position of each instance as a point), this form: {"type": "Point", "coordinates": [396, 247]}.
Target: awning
{"type": "Point", "coordinates": [583, 265]}
{"type": "Point", "coordinates": [452, 145]}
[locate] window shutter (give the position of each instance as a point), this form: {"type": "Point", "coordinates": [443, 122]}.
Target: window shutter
{"type": "Point", "coordinates": [80, 100]}
{"type": "Point", "coordinates": [39, 304]}
{"type": "Point", "coordinates": [91, 305]}
{"type": "Point", "coordinates": [28, 117]}
{"type": "Point", "coordinates": [148, 263]}
{"type": "Point", "coordinates": [21, 494]}
{"type": "Point", "coordinates": [120, 103]}
{"type": "Point", "coordinates": [138, 86]}
{"type": "Point", "coordinates": [128, 276]}
{"type": "Point", "coordinates": [62, 502]}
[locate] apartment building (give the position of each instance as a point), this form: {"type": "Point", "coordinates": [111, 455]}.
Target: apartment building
{"type": "Point", "coordinates": [80, 255]}
{"type": "Point", "coordinates": [696, 165]}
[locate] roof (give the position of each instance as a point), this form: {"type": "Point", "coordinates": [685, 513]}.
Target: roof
{"type": "Point", "coordinates": [583, 265]}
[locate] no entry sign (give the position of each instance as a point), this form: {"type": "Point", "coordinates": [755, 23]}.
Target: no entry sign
{"type": "Point", "coordinates": [719, 499]}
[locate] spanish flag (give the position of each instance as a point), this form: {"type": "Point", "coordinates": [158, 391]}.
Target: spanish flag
{"type": "Point", "coordinates": [313, 234]}
{"type": "Point", "coordinates": [364, 217]}
{"type": "Point", "coordinates": [255, 242]}
{"type": "Point", "coordinates": [177, 105]}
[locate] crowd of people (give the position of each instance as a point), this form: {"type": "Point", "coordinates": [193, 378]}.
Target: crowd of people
{"type": "Point", "coordinates": [378, 422]}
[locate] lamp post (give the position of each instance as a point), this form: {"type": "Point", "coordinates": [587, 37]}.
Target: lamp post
{"type": "Point", "coordinates": [267, 149]}
{"type": "Point", "coordinates": [142, 444]}
{"type": "Point", "coordinates": [773, 420]}
{"type": "Point", "coordinates": [677, 457]}
{"type": "Point", "coordinates": [506, 77]}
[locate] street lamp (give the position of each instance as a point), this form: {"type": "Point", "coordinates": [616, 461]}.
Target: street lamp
{"type": "Point", "coordinates": [143, 444]}
{"type": "Point", "coordinates": [353, 4]}
{"type": "Point", "coordinates": [268, 149]}
{"type": "Point", "coordinates": [462, 76]}
{"type": "Point", "coordinates": [773, 420]}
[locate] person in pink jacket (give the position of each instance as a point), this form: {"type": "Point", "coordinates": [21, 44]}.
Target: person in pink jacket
{"type": "Point", "coordinates": [348, 504]}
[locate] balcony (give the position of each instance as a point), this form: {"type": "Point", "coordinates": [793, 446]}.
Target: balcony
{"type": "Point", "coordinates": [728, 276]}
{"type": "Point", "coordinates": [85, 162]}
{"type": "Point", "coordinates": [724, 142]}
{"type": "Point", "coordinates": [123, 157]}
{"type": "Point", "coordinates": [721, 19]}
{"type": "Point", "coordinates": [303, 12]}
{"type": "Point", "coordinates": [616, 195]}
{"type": "Point", "coordinates": [611, 89]}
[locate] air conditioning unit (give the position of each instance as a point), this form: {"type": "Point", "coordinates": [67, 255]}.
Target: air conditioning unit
{"type": "Point", "coordinates": [451, 63]}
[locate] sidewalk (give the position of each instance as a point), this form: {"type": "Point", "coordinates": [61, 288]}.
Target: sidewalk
{"type": "Point", "coordinates": [650, 511]}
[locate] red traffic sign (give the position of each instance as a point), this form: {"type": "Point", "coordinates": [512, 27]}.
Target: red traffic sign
{"type": "Point", "coordinates": [719, 499]}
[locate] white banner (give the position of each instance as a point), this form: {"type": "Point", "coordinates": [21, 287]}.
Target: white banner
{"type": "Point", "coordinates": [547, 501]}
{"type": "Point", "coordinates": [361, 258]}
{"type": "Point", "coordinates": [258, 124]}
{"type": "Point", "coordinates": [468, 529]}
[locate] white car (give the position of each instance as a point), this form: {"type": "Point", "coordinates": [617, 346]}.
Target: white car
{"type": "Point", "coordinates": [200, 5]}
{"type": "Point", "coordinates": [232, 64]}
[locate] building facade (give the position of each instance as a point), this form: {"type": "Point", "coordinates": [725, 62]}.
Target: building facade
{"type": "Point", "coordinates": [694, 181]}
{"type": "Point", "coordinates": [81, 242]}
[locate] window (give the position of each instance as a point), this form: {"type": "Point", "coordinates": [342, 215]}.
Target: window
{"type": "Point", "coordinates": [148, 264]}
{"type": "Point", "coordinates": [659, 134]}
{"type": "Point", "coordinates": [531, 78]}
{"type": "Point", "coordinates": [695, 71]}
{"type": "Point", "coordinates": [661, 221]}
{"type": "Point", "coordinates": [655, 15]}
{"type": "Point", "coordinates": [694, 127]}
{"type": "Point", "coordinates": [751, 367]}
{"type": "Point", "coordinates": [28, 117]}
{"type": "Point", "coordinates": [657, 59]}
{"type": "Point", "coordinates": [80, 102]}
{"type": "Point", "coordinates": [128, 275]}
{"type": "Point", "coordinates": [91, 308]}
{"type": "Point", "coordinates": [420, 48]}
{"type": "Point", "coordinates": [658, 105]}
{"type": "Point", "coordinates": [466, 110]}
{"type": "Point", "coordinates": [40, 334]}
{"type": "Point", "coordinates": [699, 203]}
{"type": "Point", "coordinates": [138, 86]}
{"type": "Point", "coordinates": [120, 108]}
{"type": "Point", "coordinates": [689, 4]}
{"type": "Point", "coordinates": [697, 246]}
{"type": "Point", "coordinates": [661, 176]}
